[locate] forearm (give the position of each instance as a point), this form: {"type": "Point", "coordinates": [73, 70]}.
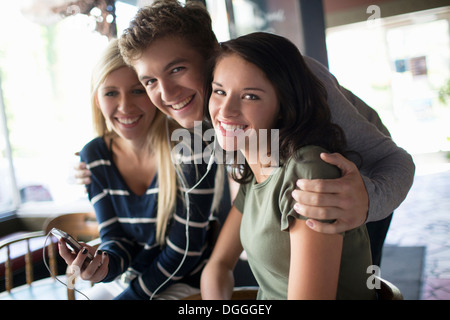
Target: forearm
{"type": "Point", "coordinates": [217, 282]}
{"type": "Point", "coordinates": [387, 169]}
{"type": "Point", "coordinates": [217, 279]}
{"type": "Point", "coordinates": [388, 186]}
{"type": "Point", "coordinates": [113, 239]}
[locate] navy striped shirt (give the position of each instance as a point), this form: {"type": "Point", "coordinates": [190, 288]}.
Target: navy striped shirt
{"type": "Point", "coordinates": [127, 224]}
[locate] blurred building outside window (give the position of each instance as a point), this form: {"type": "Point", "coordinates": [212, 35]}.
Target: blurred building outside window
{"type": "Point", "coordinates": [45, 73]}
{"type": "Point", "coordinates": [400, 67]}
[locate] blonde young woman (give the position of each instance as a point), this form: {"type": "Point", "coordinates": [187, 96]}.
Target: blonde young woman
{"type": "Point", "coordinates": [140, 201]}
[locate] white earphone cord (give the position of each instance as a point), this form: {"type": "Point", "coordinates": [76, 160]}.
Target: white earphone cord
{"type": "Point", "coordinates": [186, 200]}
{"type": "Point", "coordinates": [50, 271]}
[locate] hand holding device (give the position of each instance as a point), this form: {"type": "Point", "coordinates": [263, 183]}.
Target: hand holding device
{"type": "Point", "coordinates": [70, 242]}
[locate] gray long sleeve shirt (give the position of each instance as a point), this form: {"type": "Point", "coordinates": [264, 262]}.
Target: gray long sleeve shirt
{"type": "Point", "coordinates": [387, 170]}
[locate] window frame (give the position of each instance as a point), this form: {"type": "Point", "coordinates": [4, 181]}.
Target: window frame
{"type": "Point", "coordinates": [9, 212]}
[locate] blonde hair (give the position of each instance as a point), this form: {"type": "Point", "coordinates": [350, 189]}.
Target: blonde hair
{"type": "Point", "coordinates": [110, 61]}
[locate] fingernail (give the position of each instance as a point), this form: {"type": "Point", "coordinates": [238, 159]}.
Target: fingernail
{"type": "Point", "coordinates": [297, 207]}
{"type": "Point", "coordinates": [310, 224]}
{"type": "Point", "coordinates": [299, 183]}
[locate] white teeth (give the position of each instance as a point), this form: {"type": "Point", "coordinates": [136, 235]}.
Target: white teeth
{"type": "Point", "coordinates": [127, 120]}
{"type": "Point", "coordinates": [232, 127]}
{"type": "Point", "coordinates": [180, 105]}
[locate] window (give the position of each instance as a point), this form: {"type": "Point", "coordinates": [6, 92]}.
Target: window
{"type": "Point", "coordinates": [399, 67]}
{"type": "Point", "coordinates": [45, 69]}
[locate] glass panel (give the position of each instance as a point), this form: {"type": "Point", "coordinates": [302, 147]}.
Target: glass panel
{"type": "Point", "coordinates": [279, 17]}
{"type": "Point", "coordinates": [8, 198]}
{"type": "Point", "coordinates": [46, 68]}
{"type": "Point", "coordinates": [400, 67]}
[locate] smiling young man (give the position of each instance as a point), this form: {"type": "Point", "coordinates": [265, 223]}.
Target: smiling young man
{"type": "Point", "coordinates": [174, 83]}
{"type": "Point", "coordinates": [169, 45]}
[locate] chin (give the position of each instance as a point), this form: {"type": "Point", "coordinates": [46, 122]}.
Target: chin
{"type": "Point", "coordinates": [186, 123]}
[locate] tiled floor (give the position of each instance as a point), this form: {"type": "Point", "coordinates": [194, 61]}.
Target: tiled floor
{"type": "Point", "coordinates": [423, 219]}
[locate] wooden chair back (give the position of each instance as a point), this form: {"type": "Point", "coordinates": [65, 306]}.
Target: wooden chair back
{"type": "Point", "coordinates": [8, 244]}
{"type": "Point", "coordinates": [82, 226]}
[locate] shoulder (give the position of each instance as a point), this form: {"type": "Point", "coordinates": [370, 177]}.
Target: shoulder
{"type": "Point", "coordinates": [94, 150]}
{"type": "Point", "coordinates": [307, 164]}
{"type": "Point", "coordinates": [94, 144]}
{"type": "Point", "coordinates": [321, 72]}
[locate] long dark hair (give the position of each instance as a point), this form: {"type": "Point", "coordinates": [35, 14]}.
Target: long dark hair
{"type": "Point", "coordinates": [305, 118]}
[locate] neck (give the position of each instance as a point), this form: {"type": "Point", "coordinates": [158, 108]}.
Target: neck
{"type": "Point", "coordinates": [260, 170]}
{"type": "Point", "coordinates": [132, 149]}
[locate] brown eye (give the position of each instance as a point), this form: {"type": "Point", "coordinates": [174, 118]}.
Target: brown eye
{"type": "Point", "coordinates": [250, 96]}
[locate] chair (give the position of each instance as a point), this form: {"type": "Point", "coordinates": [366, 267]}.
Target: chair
{"type": "Point", "coordinates": [387, 291]}
{"type": "Point", "coordinates": [21, 242]}
{"type": "Point", "coordinates": [81, 226]}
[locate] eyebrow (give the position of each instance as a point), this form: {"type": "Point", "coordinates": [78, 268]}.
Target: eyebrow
{"type": "Point", "coordinates": [108, 88]}
{"type": "Point", "coordinates": [167, 67]}
{"type": "Point", "coordinates": [248, 88]}
{"type": "Point", "coordinates": [142, 78]}
{"type": "Point", "coordinates": [138, 84]}
{"type": "Point", "coordinates": [174, 62]}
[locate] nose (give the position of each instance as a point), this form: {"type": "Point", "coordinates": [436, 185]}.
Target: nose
{"type": "Point", "coordinates": [126, 104]}
{"type": "Point", "coordinates": [169, 90]}
{"type": "Point", "coordinates": [230, 107]}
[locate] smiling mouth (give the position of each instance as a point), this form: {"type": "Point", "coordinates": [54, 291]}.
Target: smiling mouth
{"type": "Point", "coordinates": [128, 121]}
{"type": "Point", "coordinates": [182, 104]}
{"type": "Point", "coordinates": [232, 128]}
